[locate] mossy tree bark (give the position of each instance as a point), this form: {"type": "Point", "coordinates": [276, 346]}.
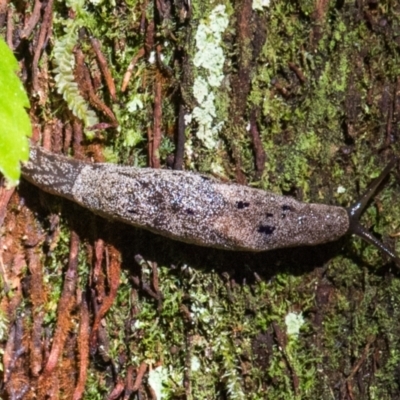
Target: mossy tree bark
{"type": "Point", "coordinates": [299, 98]}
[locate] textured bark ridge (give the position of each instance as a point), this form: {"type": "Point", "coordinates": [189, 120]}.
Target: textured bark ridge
{"type": "Point", "coordinates": [188, 207]}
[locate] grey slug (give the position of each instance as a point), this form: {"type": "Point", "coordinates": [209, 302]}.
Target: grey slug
{"type": "Point", "coordinates": [196, 208]}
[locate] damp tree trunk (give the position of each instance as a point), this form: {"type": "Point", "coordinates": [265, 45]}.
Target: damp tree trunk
{"type": "Point", "coordinates": [300, 98]}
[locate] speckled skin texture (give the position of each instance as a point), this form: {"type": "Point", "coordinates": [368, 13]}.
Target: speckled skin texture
{"type": "Point", "coordinates": [52, 173]}
{"type": "Point", "coordinates": [188, 207]}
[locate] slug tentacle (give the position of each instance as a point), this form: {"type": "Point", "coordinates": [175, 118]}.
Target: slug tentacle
{"type": "Point", "coordinates": [355, 211]}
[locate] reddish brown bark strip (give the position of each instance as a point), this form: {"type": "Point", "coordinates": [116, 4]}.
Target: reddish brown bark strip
{"type": "Point", "coordinates": [149, 144]}
{"type": "Point", "coordinates": [37, 298]}
{"type": "Point", "coordinates": [129, 71]}
{"type": "Point", "coordinates": [139, 377]}
{"type": "Point", "coordinates": [104, 68]}
{"type": "Point", "coordinates": [33, 20]}
{"type": "Point", "coordinates": [299, 73]}
{"type": "Point", "coordinates": [5, 195]}
{"type": "Point", "coordinates": [78, 139]}
{"type": "Point", "coordinates": [47, 136]}
{"type": "Point", "coordinates": [98, 275]}
{"type": "Point", "coordinates": [83, 349]}
{"type": "Point", "coordinates": [84, 81]}
{"type": "Point", "coordinates": [129, 384]}
{"type": "Point", "coordinates": [64, 319]}
{"type": "Point", "coordinates": [45, 31]}
{"type": "Point", "coordinates": [117, 390]}
{"type": "Point", "coordinates": [114, 273]}
{"type": "Point", "coordinates": [157, 121]}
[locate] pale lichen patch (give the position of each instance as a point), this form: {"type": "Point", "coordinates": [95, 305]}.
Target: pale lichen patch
{"type": "Point", "coordinates": [209, 59]}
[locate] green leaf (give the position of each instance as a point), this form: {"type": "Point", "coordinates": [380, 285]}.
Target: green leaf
{"type": "Point", "coordinates": [15, 126]}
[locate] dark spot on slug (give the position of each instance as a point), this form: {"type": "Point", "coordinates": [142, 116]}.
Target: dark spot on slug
{"type": "Point", "coordinates": [269, 215]}
{"type": "Point", "coordinates": [267, 229]}
{"type": "Point", "coordinates": [189, 211]}
{"type": "Point", "coordinates": [175, 207]}
{"type": "Point", "coordinates": [242, 204]}
{"type": "Point", "coordinates": [284, 209]}
{"type": "Point", "coordinates": [131, 211]}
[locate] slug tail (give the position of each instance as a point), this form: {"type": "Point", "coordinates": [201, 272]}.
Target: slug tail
{"type": "Point", "coordinates": [52, 173]}
{"type": "Point", "coordinates": [355, 211]}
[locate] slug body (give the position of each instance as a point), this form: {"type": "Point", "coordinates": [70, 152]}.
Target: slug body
{"type": "Point", "coordinates": [188, 207]}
